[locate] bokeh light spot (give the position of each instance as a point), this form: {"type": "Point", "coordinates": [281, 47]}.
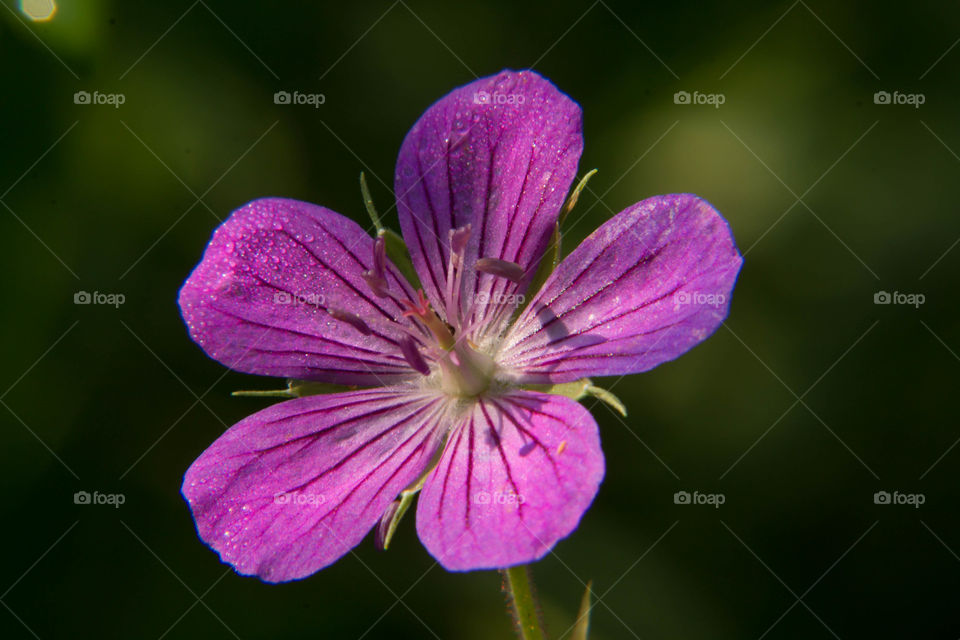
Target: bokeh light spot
{"type": "Point", "coordinates": [38, 10]}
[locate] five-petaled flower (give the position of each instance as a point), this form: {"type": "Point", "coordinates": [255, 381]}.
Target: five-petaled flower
{"type": "Point", "coordinates": [443, 398]}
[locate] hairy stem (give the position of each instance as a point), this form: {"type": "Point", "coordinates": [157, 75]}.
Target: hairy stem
{"type": "Point", "coordinates": [524, 607]}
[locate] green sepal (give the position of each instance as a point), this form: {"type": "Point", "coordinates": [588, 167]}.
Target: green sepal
{"type": "Point", "coordinates": [296, 389]}
{"type": "Point", "coordinates": [582, 626]}
{"type": "Point", "coordinates": [408, 494]}
{"type": "Point", "coordinates": [397, 250]}
{"type": "Point", "coordinates": [574, 196]}
{"type": "Point", "coordinates": [607, 398]}
{"type": "Point", "coordinates": [574, 390]}
{"type": "Point", "coordinates": [368, 203]}
{"type": "Point", "coordinates": [580, 389]}
{"type": "Point", "coordinates": [564, 212]}
{"type": "Point", "coordinates": [405, 500]}
{"type": "Point", "coordinates": [399, 255]}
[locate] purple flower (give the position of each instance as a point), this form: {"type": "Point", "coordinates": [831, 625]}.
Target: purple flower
{"type": "Point", "coordinates": [445, 400]}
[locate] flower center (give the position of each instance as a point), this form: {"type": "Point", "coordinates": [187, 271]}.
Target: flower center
{"type": "Point", "coordinates": [464, 371]}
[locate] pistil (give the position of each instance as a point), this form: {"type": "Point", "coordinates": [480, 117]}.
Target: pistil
{"type": "Point", "coordinates": [466, 372]}
{"type": "Point", "coordinates": [422, 311]}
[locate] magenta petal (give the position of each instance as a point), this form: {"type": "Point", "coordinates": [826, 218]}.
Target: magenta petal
{"type": "Point", "coordinates": [499, 153]}
{"type": "Point", "coordinates": [258, 300]}
{"type": "Point", "coordinates": [648, 285]}
{"type": "Point", "coordinates": [289, 490]}
{"type": "Point", "coordinates": [516, 476]}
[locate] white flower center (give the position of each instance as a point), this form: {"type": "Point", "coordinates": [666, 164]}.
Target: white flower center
{"type": "Point", "coordinates": [465, 371]}
{"type": "Point", "coordinates": [462, 370]}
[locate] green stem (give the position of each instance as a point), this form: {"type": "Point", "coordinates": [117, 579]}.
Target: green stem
{"type": "Point", "coordinates": [523, 602]}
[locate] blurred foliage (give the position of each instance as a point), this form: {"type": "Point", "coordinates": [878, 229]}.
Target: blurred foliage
{"type": "Point", "coordinates": [809, 401]}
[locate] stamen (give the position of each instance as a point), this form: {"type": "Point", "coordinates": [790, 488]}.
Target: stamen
{"type": "Point", "coordinates": [377, 285]}
{"type": "Point", "coordinates": [376, 278]}
{"type": "Point", "coordinates": [412, 355]}
{"type": "Point", "coordinates": [500, 268]}
{"type": "Point", "coordinates": [380, 257]}
{"type": "Point", "coordinates": [458, 244]}
{"type": "Point", "coordinates": [353, 320]}
{"type": "Point", "coordinates": [459, 238]}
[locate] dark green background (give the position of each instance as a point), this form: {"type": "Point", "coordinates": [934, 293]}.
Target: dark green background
{"type": "Point", "coordinates": [107, 400]}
